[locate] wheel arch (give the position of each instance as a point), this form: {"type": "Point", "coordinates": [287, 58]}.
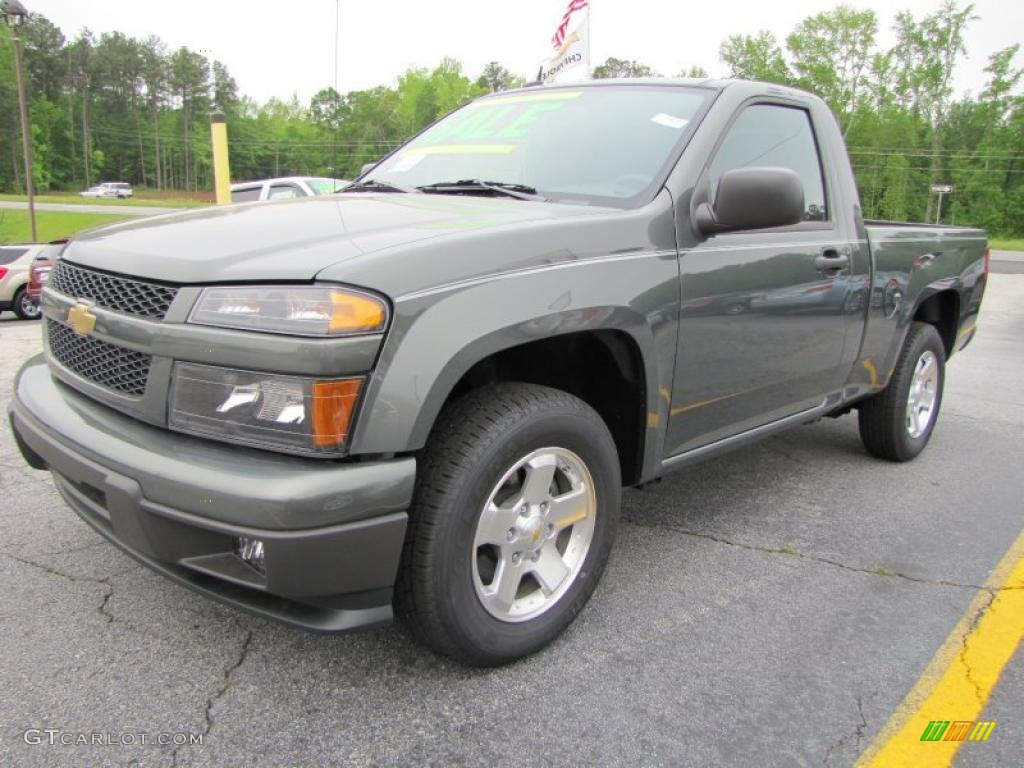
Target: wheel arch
{"type": "Point", "coordinates": [604, 367]}
{"type": "Point", "coordinates": [404, 404]}
{"type": "Point", "coordinates": [501, 356]}
{"type": "Point", "coordinates": [940, 307]}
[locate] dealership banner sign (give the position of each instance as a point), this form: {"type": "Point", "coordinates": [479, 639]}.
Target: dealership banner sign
{"type": "Point", "coordinates": [571, 44]}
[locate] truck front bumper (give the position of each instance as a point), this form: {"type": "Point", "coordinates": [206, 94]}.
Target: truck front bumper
{"type": "Point", "coordinates": [332, 532]}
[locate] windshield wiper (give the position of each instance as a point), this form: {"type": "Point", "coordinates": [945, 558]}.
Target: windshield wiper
{"type": "Point", "coordinates": [376, 185]}
{"type": "Point", "coordinates": [518, 191]}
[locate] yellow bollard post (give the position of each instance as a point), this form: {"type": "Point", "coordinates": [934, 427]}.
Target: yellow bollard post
{"type": "Point", "coordinates": [221, 167]}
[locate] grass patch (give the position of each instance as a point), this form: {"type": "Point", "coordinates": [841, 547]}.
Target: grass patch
{"type": "Point", "coordinates": [141, 200]}
{"type": "Point", "coordinates": [785, 549]}
{"type": "Point", "coordinates": [883, 571]}
{"type": "Point", "coordinates": [1013, 244]}
{"type": "Point", "coordinates": [52, 225]}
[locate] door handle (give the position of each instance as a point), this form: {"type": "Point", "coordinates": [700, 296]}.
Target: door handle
{"type": "Point", "coordinates": [831, 260]}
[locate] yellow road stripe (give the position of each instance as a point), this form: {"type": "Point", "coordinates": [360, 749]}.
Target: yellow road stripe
{"type": "Point", "coordinates": [463, 149]}
{"type": "Point", "coordinates": [961, 676]}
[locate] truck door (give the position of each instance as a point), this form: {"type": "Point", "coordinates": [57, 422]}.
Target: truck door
{"type": "Point", "coordinates": [763, 315]}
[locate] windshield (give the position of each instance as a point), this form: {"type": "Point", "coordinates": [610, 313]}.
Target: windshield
{"type": "Point", "coordinates": [606, 144]}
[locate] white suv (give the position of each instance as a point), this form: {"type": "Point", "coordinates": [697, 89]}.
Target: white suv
{"type": "Point", "coordinates": [118, 188]}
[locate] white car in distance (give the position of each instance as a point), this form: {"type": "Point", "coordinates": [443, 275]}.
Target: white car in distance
{"type": "Point", "coordinates": [119, 189]}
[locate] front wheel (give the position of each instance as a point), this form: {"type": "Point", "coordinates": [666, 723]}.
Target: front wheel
{"type": "Point", "coordinates": [513, 517]}
{"type": "Point", "coordinates": [24, 307]}
{"type": "Point", "coordinates": [897, 423]}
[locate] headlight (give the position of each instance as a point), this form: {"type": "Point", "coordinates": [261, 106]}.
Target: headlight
{"type": "Point", "coordinates": [281, 413]}
{"type": "Point", "coordinates": [303, 310]}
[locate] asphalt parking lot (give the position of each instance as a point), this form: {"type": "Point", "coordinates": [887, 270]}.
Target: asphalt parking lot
{"type": "Point", "coordinates": [771, 607]}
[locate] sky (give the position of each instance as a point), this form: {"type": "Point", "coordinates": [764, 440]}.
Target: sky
{"type": "Point", "coordinates": [277, 49]}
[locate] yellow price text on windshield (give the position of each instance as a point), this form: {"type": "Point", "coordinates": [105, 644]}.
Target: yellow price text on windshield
{"type": "Point", "coordinates": [463, 149]}
{"type": "Point", "coordinates": [526, 98]}
{"type": "Point", "coordinates": [497, 119]}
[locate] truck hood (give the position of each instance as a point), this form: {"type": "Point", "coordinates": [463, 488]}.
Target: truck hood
{"type": "Point", "coordinates": [296, 239]}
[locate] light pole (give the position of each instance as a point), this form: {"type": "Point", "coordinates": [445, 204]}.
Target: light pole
{"type": "Point", "coordinates": [14, 14]}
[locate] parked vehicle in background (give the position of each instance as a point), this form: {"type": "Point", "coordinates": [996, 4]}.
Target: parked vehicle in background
{"type": "Point", "coordinates": [15, 263]}
{"type": "Point", "coordinates": [427, 392]}
{"type": "Point", "coordinates": [38, 272]}
{"type": "Point", "coordinates": [119, 189]}
{"type": "Point", "coordinates": [97, 191]}
{"type": "Point", "coordinates": [285, 188]}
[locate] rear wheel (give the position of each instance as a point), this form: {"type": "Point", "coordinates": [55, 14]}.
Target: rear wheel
{"type": "Point", "coordinates": [512, 521]}
{"type": "Point", "coordinates": [897, 423]}
{"type": "Point", "coordinates": [24, 307]}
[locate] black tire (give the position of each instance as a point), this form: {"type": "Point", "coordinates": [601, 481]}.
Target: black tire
{"type": "Point", "coordinates": [476, 439]}
{"type": "Point", "coordinates": [883, 417]}
{"type": "Point", "coordinates": [24, 307]}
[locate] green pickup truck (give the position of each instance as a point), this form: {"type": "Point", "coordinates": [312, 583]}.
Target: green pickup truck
{"type": "Point", "coordinates": [423, 395]}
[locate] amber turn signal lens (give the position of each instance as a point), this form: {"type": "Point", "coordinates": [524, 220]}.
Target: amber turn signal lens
{"type": "Point", "coordinates": [334, 402]}
{"type": "Point", "coordinates": [356, 313]}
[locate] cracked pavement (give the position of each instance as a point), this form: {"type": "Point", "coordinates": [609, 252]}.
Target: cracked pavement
{"type": "Point", "coordinates": [770, 607]}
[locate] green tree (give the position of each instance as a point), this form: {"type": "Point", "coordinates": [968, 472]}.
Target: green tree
{"type": "Point", "coordinates": [496, 78]}
{"type": "Point", "coordinates": [225, 89]}
{"type": "Point", "coordinates": [190, 84]}
{"type": "Point", "coordinates": [925, 58]}
{"type": "Point", "coordinates": [613, 67]}
{"type": "Point", "coordinates": [695, 72]}
{"type": "Point", "coordinates": [831, 53]}
{"type": "Point", "coordinates": [755, 57]}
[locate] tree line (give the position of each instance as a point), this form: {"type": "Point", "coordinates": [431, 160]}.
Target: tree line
{"type": "Point", "coordinates": [113, 107]}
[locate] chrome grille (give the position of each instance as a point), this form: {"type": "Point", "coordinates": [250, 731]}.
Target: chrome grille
{"type": "Point", "coordinates": [120, 294]}
{"type": "Point", "coordinates": [110, 366]}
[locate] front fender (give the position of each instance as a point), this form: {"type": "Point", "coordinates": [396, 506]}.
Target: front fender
{"type": "Point", "coordinates": [439, 334]}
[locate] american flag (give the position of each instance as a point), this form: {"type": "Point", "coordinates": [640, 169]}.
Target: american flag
{"type": "Point", "coordinates": [559, 37]}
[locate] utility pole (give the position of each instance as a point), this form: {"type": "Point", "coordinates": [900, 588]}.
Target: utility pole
{"type": "Point", "coordinates": [14, 14]}
{"type": "Point", "coordinates": [337, 95]}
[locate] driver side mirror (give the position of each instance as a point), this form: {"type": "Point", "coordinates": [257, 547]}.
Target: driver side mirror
{"type": "Point", "coordinates": [753, 198]}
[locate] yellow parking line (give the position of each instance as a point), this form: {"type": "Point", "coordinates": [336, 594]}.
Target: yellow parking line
{"type": "Point", "coordinates": [961, 676]}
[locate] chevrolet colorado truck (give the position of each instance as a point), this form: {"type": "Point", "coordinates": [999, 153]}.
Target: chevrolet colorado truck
{"type": "Point", "coordinates": [423, 395]}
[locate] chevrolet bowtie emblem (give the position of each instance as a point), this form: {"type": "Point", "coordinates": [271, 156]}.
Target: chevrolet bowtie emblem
{"type": "Point", "coordinates": [81, 320]}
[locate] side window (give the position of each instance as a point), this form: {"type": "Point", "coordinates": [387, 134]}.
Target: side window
{"type": "Point", "coordinates": [781, 137]}
{"type": "Point", "coordinates": [10, 255]}
{"type": "Point", "coordinates": [245, 195]}
{"type": "Point", "coordinates": [284, 191]}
